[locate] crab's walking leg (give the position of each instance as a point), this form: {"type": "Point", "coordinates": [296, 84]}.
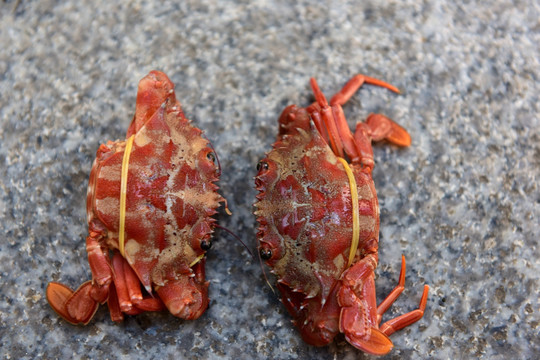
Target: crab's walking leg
{"type": "Point", "coordinates": [120, 284]}
{"type": "Point", "coordinates": [402, 321]}
{"type": "Point", "coordinates": [114, 307]}
{"type": "Point", "coordinates": [143, 303]}
{"type": "Point", "coordinates": [79, 306]}
{"type": "Point", "coordinates": [128, 290]}
{"type": "Point", "coordinates": [333, 119]}
{"type": "Point", "coordinates": [327, 118]}
{"type": "Point", "coordinates": [356, 83]}
{"type": "Point", "coordinates": [75, 307]}
{"type": "Point", "coordinates": [377, 127]}
{"type": "Point", "coordinates": [98, 259]}
{"type": "Point", "coordinates": [394, 294]}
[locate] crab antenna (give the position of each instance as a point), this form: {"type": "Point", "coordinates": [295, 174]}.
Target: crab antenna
{"type": "Point", "coordinates": [236, 237]}
{"type": "Point", "coordinates": [264, 273]}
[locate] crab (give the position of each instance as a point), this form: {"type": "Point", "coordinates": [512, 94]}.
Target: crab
{"type": "Point", "coordinates": [150, 204]}
{"type": "Point", "coordinates": [318, 217]}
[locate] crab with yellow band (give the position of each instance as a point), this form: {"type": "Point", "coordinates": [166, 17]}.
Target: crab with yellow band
{"type": "Point", "coordinates": [318, 220]}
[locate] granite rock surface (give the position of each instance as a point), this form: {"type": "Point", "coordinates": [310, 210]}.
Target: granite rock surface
{"type": "Point", "coordinates": [462, 203]}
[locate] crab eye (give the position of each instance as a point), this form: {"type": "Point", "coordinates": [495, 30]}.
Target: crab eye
{"type": "Point", "coordinates": [262, 165]}
{"type": "Point", "coordinates": [206, 245]}
{"type": "Point", "coordinates": [211, 156]}
{"type": "Point", "coordinates": [266, 254]}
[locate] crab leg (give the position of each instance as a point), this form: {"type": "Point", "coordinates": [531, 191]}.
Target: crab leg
{"type": "Point", "coordinates": [328, 119]}
{"type": "Point", "coordinates": [407, 319]}
{"type": "Point", "coordinates": [335, 123]}
{"type": "Point", "coordinates": [98, 260]}
{"type": "Point", "coordinates": [132, 283]}
{"type": "Point", "coordinates": [79, 306]}
{"type": "Point", "coordinates": [356, 83]}
{"type": "Point", "coordinates": [135, 294]}
{"type": "Point", "coordinates": [150, 304]}
{"type": "Point", "coordinates": [121, 284]}
{"type": "Point", "coordinates": [404, 320]}
{"type": "Point", "coordinates": [128, 289]}
{"type": "Point", "coordinates": [114, 307]}
{"type": "Point", "coordinates": [314, 110]}
{"type": "Point", "coordinates": [377, 126]}
{"type": "Point", "coordinates": [345, 133]}
{"type": "Point", "coordinates": [394, 294]}
{"type": "Point", "coordinates": [73, 306]}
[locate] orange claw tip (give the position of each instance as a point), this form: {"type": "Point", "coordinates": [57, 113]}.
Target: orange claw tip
{"type": "Point", "coordinates": [376, 343]}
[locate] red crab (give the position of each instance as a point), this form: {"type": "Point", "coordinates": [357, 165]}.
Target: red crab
{"type": "Point", "coordinates": [150, 202]}
{"type": "Point", "coordinates": [319, 221]}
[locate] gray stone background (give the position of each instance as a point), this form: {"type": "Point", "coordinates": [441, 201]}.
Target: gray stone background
{"type": "Point", "coordinates": [462, 203]}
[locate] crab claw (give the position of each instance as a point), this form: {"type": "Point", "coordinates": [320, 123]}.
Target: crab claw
{"type": "Point", "coordinates": [187, 296]}
{"type": "Point", "coordinates": [184, 297]}
{"type": "Point", "coordinates": [370, 340]}
{"type": "Point", "coordinates": [318, 321]}
{"type": "Point", "coordinates": [383, 128]}
{"type": "Point", "coordinates": [358, 320]}
{"type": "Point", "coordinates": [319, 332]}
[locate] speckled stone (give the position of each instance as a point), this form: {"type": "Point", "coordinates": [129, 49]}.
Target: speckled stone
{"type": "Point", "coordinates": [462, 203]}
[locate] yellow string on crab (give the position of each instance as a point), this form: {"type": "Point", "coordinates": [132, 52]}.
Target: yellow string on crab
{"type": "Point", "coordinates": [355, 211]}
{"type": "Point", "coordinates": [197, 259]}
{"type": "Point", "coordinates": [123, 191]}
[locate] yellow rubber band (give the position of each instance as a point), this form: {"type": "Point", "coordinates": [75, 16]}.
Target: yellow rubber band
{"type": "Point", "coordinates": [355, 211]}
{"type": "Point", "coordinates": [123, 191]}
{"type": "Point", "coordinates": [199, 258]}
